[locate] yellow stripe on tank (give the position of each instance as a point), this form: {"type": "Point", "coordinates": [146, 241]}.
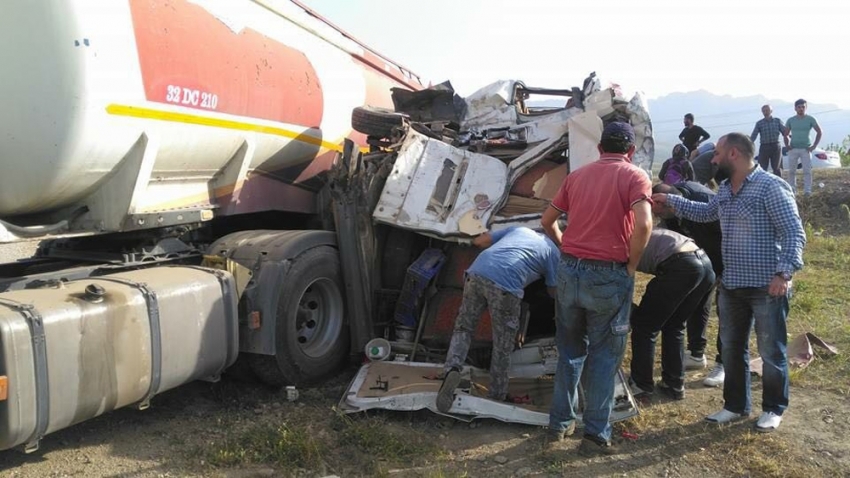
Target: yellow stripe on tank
{"type": "Point", "coordinates": [149, 113]}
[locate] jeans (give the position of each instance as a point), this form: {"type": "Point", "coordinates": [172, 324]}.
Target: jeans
{"type": "Point", "coordinates": [804, 156]}
{"type": "Point", "coordinates": [770, 154]}
{"type": "Point", "coordinates": [680, 285]}
{"type": "Point", "coordinates": [698, 324]}
{"type": "Point", "coordinates": [739, 308]}
{"type": "Point", "coordinates": [592, 318]}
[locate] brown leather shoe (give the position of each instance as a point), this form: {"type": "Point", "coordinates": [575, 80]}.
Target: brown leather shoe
{"type": "Point", "coordinates": [591, 446]}
{"type": "Point", "coordinates": [552, 436]}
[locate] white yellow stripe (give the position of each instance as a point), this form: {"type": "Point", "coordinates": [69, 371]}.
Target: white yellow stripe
{"type": "Point", "coordinates": [188, 118]}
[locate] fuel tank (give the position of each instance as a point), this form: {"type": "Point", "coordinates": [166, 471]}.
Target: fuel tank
{"type": "Point", "coordinates": [137, 107]}
{"type": "Point", "coordinates": [78, 350]}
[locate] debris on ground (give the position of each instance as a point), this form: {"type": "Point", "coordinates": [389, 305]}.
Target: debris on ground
{"type": "Point", "coordinates": [800, 352]}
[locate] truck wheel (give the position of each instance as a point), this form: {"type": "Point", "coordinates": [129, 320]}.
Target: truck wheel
{"type": "Point", "coordinates": [374, 121]}
{"type": "Point", "coordinates": [312, 336]}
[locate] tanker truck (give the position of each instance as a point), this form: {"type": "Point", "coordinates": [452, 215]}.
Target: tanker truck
{"type": "Point", "coordinates": [169, 155]}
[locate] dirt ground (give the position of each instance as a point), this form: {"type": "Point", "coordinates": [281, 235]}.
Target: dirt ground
{"type": "Point", "coordinates": [176, 435]}
{"type": "Point", "coordinates": [170, 439]}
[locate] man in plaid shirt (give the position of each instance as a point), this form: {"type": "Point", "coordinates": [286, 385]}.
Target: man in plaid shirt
{"type": "Point", "coordinates": [762, 247]}
{"type": "Point", "coordinates": [770, 151]}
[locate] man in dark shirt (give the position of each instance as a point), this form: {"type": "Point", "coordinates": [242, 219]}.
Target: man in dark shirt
{"type": "Point", "coordinates": [770, 151]}
{"type": "Point", "coordinates": [705, 171]}
{"type": "Point", "coordinates": [707, 236]}
{"type": "Point", "coordinates": [692, 135]}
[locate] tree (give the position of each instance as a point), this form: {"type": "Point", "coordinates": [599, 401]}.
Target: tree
{"type": "Point", "coordinates": [843, 150]}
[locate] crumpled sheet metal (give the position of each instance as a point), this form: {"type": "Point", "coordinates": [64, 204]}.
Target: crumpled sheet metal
{"type": "Point", "coordinates": [800, 352]}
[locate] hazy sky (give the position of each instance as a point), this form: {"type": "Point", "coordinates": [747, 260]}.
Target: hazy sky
{"type": "Point", "coordinates": [782, 49]}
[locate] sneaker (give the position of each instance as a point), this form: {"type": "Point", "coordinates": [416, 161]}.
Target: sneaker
{"type": "Point", "coordinates": [716, 376]}
{"type": "Point", "coordinates": [694, 363]}
{"type": "Point", "coordinates": [768, 422]}
{"type": "Point", "coordinates": [552, 436]}
{"type": "Point", "coordinates": [446, 395]}
{"type": "Point", "coordinates": [674, 393]}
{"type": "Point", "coordinates": [637, 391]}
{"type": "Point", "coordinates": [724, 416]}
{"type": "Point", "coordinates": [591, 446]}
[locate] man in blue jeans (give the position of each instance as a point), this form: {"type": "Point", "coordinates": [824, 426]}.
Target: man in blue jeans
{"type": "Point", "coordinates": [762, 245]}
{"type": "Point", "coordinates": [608, 226]}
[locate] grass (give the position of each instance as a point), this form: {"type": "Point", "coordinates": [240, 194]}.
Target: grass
{"type": "Point", "coordinates": [280, 445]}
{"type": "Point", "coordinates": [336, 443]}
{"type": "Point", "coordinates": [390, 444]}
{"type": "Point", "coordinates": [821, 304]}
{"type": "Point", "coordinates": [372, 437]}
{"type": "Point", "coordinates": [736, 450]}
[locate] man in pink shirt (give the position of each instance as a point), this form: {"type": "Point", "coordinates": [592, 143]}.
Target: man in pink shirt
{"type": "Point", "coordinates": [609, 220]}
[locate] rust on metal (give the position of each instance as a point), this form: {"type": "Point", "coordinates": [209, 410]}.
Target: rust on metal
{"type": "Point", "coordinates": [254, 320]}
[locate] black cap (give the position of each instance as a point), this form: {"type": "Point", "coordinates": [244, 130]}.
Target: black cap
{"type": "Point", "coordinates": [620, 131]}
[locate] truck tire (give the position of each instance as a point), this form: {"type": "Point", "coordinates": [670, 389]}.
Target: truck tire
{"type": "Point", "coordinates": [374, 121]}
{"type": "Point", "coordinates": [312, 335]}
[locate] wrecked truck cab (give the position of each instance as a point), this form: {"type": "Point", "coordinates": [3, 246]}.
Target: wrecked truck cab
{"type": "Point", "coordinates": [505, 160]}
{"type": "Point", "coordinates": [450, 170]}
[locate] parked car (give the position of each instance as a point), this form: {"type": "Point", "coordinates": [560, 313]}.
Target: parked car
{"type": "Point", "coordinates": [821, 159]}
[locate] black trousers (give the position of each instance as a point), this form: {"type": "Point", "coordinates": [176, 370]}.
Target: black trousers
{"type": "Point", "coordinates": [770, 153]}
{"type": "Point", "coordinates": [698, 324]}
{"type": "Point", "coordinates": [679, 286]}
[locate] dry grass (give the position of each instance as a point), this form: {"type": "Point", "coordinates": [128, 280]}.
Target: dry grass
{"type": "Point", "coordinates": [672, 437]}
{"type": "Point", "coordinates": [821, 305]}
{"type": "Point", "coordinates": [675, 429]}
{"type": "Point", "coordinates": [319, 440]}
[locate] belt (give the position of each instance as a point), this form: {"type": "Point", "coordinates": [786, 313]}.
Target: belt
{"type": "Point", "coordinates": [699, 253]}
{"type": "Point", "coordinates": [593, 263]}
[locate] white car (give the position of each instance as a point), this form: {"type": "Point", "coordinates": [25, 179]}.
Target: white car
{"type": "Point", "coordinates": [821, 159]}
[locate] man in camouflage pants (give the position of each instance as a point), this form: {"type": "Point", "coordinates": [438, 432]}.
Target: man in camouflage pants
{"type": "Point", "coordinates": [512, 259]}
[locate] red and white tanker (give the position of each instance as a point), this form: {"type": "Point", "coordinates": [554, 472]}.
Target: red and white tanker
{"type": "Point", "coordinates": [209, 107]}
{"type": "Point", "coordinates": [137, 129]}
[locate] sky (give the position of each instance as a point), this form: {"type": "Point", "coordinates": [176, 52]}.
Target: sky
{"type": "Point", "coordinates": [781, 49]}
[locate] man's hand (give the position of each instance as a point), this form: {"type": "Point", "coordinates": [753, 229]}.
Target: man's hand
{"type": "Point", "coordinates": [778, 286]}
{"type": "Point", "coordinates": [659, 198]}
{"type": "Point", "coordinates": [483, 240]}
{"type": "Point", "coordinates": [631, 270]}
{"type": "Point", "coordinates": [549, 223]}
{"type": "Point", "coordinates": [810, 149]}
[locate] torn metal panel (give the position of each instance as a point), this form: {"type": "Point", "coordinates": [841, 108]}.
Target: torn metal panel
{"type": "Point", "coordinates": [437, 188]}
{"type": "Point", "coordinates": [585, 134]}
{"type": "Point", "coordinates": [491, 107]}
{"type": "Point", "coordinates": [451, 186]}
{"type": "Point", "coordinates": [436, 103]}
{"type": "Point", "coordinates": [638, 110]}
{"type": "Point", "coordinates": [410, 386]}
